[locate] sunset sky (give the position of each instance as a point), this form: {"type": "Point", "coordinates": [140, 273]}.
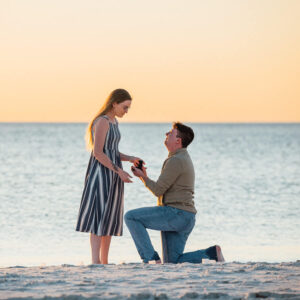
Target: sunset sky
{"type": "Point", "coordinates": [193, 60]}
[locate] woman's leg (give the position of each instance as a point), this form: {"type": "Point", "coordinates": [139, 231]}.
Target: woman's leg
{"type": "Point", "coordinates": [104, 249]}
{"type": "Point", "coordinates": [95, 241]}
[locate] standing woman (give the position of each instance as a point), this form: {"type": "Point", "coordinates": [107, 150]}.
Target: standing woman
{"type": "Point", "coordinates": [101, 208]}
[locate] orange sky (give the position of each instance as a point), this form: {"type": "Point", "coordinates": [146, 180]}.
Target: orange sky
{"type": "Point", "coordinates": [196, 61]}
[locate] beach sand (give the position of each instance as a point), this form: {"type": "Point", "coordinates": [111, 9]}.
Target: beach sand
{"type": "Point", "coordinates": [141, 281]}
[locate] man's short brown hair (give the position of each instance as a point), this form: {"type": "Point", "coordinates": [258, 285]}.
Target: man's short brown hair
{"type": "Point", "coordinates": [186, 133]}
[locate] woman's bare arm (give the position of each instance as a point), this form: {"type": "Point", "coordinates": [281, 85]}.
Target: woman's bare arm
{"type": "Point", "coordinates": [101, 129]}
{"type": "Point", "coordinates": [125, 157]}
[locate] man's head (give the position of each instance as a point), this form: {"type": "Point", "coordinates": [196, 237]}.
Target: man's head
{"type": "Point", "coordinates": [179, 137]}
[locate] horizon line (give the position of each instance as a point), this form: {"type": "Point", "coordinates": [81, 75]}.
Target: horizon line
{"type": "Point", "coordinates": [81, 122]}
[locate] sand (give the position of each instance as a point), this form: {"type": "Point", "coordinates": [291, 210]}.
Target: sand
{"type": "Point", "coordinates": [139, 281]}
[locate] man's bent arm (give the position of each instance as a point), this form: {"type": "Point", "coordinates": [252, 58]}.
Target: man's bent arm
{"type": "Point", "coordinates": [168, 176]}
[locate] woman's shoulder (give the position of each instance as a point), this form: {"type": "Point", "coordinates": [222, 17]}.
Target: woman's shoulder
{"type": "Point", "coordinates": [108, 119]}
{"type": "Point", "coordinates": [104, 117]}
{"type": "Point", "coordinates": [101, 121]}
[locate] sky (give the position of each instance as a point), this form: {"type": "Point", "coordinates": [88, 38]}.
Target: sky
{"type": "Point", "coordinates": [189, 61]}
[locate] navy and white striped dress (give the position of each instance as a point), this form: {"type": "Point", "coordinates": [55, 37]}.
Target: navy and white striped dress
{"type": "Point", "coordinates": [102, 203]}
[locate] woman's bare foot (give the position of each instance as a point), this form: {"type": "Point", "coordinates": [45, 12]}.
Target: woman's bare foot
{"type": "Point", "coordinates": [220, 257]}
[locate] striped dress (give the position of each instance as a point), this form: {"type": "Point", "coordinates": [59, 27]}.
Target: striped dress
{"type": "Point", "coordinates": [102, 203]}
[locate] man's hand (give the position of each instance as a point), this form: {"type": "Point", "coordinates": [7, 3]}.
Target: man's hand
{"type": "Point", "coordinates": [139, 173]}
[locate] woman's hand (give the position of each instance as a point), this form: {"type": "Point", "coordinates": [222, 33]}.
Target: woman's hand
{"type": "Point", "coordinates": [124, 176]}
{"type": "Point", "coordinates": [136, 160]}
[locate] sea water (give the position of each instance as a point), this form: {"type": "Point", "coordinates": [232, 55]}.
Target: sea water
{"type": "Point", "coordinates": [247, 191]}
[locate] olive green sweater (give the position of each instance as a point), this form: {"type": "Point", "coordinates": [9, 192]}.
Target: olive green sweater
{"type": "Point", "coordinates": [175, 185]}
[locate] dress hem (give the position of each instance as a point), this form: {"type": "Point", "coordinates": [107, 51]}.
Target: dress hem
{"type": "Point", "coordinates": [90, 231]}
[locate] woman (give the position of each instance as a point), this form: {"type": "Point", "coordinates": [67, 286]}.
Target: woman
{"type": "Point", "coordinates": [101, 208]}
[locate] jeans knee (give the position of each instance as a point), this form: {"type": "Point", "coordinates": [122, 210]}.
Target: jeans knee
{"type": "Point", "coordinates": [128, 216]}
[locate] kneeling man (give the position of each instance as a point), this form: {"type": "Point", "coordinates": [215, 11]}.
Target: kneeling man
{"type": "Point", "coordinates": [175, 214]}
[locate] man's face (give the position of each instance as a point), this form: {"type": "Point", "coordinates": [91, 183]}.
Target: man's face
{"type": "Point", "coordinates": [171, 138]}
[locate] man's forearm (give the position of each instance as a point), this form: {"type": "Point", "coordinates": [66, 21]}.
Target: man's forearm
{"type": "Point", "coordinates": [152, 185]}
{"type": "Point", "coordinates": [144, 177]}
{"type": "Point", "coordinates": [168, 176]}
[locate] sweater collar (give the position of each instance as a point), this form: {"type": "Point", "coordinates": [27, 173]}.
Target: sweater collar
{"type": "Point", "coordinates": [177, 151]}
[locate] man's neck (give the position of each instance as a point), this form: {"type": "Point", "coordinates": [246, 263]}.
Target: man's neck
{"type": "Point", "coordinates": [174, 150]}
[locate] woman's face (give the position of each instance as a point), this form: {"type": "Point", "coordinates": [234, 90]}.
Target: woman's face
{"type": "Point", "coordinates": [122, 108]}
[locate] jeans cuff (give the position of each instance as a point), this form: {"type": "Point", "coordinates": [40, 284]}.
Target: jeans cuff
{"type": "Point", "coordinates": [154, 257]}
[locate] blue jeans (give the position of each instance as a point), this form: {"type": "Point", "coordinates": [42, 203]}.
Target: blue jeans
{"type": "Point", "coordinates": [175, 226]}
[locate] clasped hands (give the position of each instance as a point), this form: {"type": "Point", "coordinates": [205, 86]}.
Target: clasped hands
{"type": "Point", "coordinates": [137, 171]}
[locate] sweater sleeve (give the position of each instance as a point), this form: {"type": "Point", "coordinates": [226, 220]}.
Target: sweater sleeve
{"type": "Point", "coordinates": [168, 176]}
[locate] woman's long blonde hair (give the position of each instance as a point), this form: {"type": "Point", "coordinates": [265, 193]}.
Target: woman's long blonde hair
{"type": "Point", "coordinates": [116, 96]}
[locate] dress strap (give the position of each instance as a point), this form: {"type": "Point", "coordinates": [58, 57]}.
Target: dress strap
{"type": "Point", "coordinates": [103, 116]}
{"type": "Point", "coordinates": [107, 118]}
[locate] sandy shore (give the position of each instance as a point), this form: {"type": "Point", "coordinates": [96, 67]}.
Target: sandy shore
{"type": "Point", "coordinates": [139, 281]}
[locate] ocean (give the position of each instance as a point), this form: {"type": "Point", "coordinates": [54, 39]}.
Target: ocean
{"type": "Point", "coordinates": [247, 191]}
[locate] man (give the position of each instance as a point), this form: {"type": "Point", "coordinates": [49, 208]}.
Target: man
{"type": "Point", "coordinates": [175, 214]}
